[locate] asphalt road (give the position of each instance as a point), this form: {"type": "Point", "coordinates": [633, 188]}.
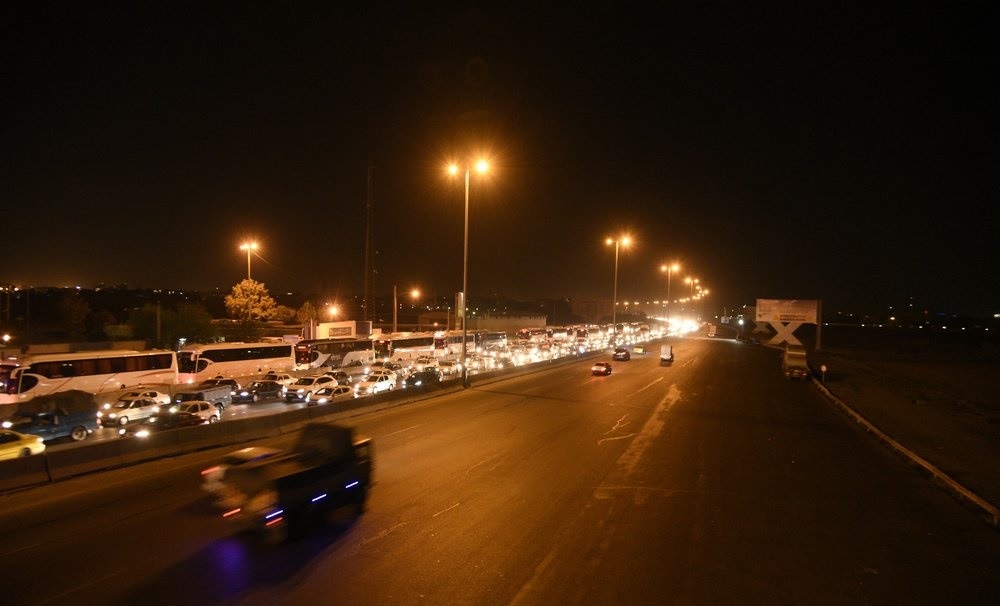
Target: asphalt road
{"type": "Point", "coordinates": [714, 481]}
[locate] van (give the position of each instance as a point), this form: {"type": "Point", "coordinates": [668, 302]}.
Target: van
{"type": "Point", "coordinates": [666, 355]}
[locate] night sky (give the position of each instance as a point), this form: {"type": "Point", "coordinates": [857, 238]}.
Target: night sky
{"type": "Point", "coordinates": [846, 154]}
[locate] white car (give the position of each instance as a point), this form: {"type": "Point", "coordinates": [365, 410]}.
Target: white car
{"type": "Point", "coordinates": [300, 390]}
{"type": "Point", "coordinates": [449, 368]}
{"type": "Point", "coordinates": [422, 362]}
{"type": "Point", "coordinates": [152, 394]}
{"type": "Point", "coordinates": [281, 378]}
{"type": "Point", "coordinates": [387, 373]}
{"type": "Point", "coordinates": [327, 394]}
{"type": "Point", "coordinates": [373, 384]}
{"type": "Point", "coordinates": [128, 410]}
{"type": "Point", "coordinates": [201, 408]}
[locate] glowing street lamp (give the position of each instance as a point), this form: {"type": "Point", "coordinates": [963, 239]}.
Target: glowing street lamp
{"type": "Point", "coordinates": [621, 241]}
{"type": "Point", "coordinates": [669, 269]}
{"type": "Point", "coordinates": [414, 293]}
{"type": "Point", "coordinates": [481, 166]}
{"type": "Point", "coordinates": [249, 247]}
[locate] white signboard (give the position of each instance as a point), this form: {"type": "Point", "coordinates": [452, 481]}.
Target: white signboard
{"type": "Point", "coordinates": [787, 310]}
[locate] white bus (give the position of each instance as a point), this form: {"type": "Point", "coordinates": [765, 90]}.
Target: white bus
{"type": "Point", "coordinates": [196, 363]}
{"type": "Point", "coordinates": [90, 371]}
{"type": "Point", "coordinates": [311, 354]}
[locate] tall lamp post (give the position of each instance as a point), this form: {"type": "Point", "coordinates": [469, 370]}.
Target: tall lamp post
{"type": "Point", "coordinates": [414, 293]}
{"type": "Point", "coordinates": [669, 269]}
{"type": "Point", "coordinates": [692, 282]}
{"type": "Point", "coordinates": [621, 241]}
{"type": "Point", "coordinates": [480, 166]}
{"type": "Point", "coordinates": [249, 247]}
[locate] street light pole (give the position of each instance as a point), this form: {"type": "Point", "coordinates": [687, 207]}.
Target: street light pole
{"type": "Point", "coordinates": [248, 246]}
{"type": "Point", "coordinates": [482, 167]}
{"type": "Point", "coordinates": [395, 308]}
{"type": "Point", "coordinates": [465, 286]}
{"type": "Point", "coordinates": [624, 240]}
{"type": "Point", "coordinates": [669, 269]}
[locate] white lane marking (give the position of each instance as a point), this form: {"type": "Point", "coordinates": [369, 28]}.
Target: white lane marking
{"type": "Point", "coordinates": [650, 430]}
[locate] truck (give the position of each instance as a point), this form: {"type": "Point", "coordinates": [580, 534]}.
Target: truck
{"type": "Point", "coordinates": [66, 414]}
{"type": "Point", "coordinates": [220, 395]}
{"type": "Point", "coordinates": [324, 478]}
{"type": "Point", "coordinates": [795, 362]}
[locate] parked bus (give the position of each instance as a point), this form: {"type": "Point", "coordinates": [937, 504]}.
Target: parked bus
{"type": "Point", "coordinates": [490, 341]}
{"type": "Point", "coordinates": [448, 344]}
{"type": "Point", "coordinates": [196, 363]}
{"type": "Point", "coordinates": [94, 372]}
{"type": "Point", "coordinates": [311, 354]}
{"type": "Point", "coordinates": [532, 335]}
{"type": "Point", "coordinates": [405, 347]}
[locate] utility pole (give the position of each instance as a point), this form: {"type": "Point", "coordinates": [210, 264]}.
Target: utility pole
{"type": "Point", "coordinates": [368, 303]}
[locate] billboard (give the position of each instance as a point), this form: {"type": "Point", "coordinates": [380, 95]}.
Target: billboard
{"type": "Point", "coordinates": [804, 311]}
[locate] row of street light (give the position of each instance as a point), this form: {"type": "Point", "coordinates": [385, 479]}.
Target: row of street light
{"type": "Point", "coordinates": [624, 241]}
{"type": "Point", "coordinates": [482, 167]}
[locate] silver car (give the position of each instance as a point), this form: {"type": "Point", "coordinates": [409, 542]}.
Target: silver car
{"type": "Point", "coordinates": [127, 410]}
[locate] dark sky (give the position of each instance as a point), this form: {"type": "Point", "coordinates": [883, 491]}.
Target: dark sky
{"type": "Point", "coordinates": [847, 154]}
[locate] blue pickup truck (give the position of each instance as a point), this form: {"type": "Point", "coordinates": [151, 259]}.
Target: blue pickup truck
{"type": "Point", "coordinates": [67, 414]}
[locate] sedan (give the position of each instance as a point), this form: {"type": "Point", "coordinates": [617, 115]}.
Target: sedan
{"type": "Point", "coordinates": [327, 394]}
{"type": "Point", "coordinates": [449, 368]}
{"type": "Point", "coordinates": [428, 376]}
{"type": "Point", "coordinates": [14, 444]}
{"type": "Point", "coordinates": [127, 410]}
{"type": "Point", "coordinates": [280, 377]}
{"type": "Point", "coordinates": [342, 377]}
{"type": "Point", "coordinates": [374, 384]}
{"type": "Point", "coordinates": [301, 389]}
{"type": "Point", "coordinates": [160, 421]}
{"type": "Point", "coordinates": [208, 412]}
{"type": "Point", "coordinates": [621, 354]}
{"type": "Point", "coordinates": [601, 369]}
{"type": "Point", "coordinates": [152, 394]}
{"type": "Point", "coordinates": [259, 390]}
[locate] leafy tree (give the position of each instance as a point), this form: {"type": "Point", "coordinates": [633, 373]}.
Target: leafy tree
{"type": "Point", "coordinates": [250, 304]}
{"type": "Point", "coordinates": [96, 323]}
{"type": "Point", "coordinates": [194, 324]}
{"type": "Point", "coordinates": [307, 313]}
{"type": "Point", "coordinates": [190, 321]}
{"type": "Point", "coordinates": [74, 311]}
{"type": "Point", "coordinates": [283, 313]}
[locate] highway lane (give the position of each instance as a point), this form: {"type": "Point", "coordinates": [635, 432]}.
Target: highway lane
{"type": "Point", "coordinates": [714, 481]}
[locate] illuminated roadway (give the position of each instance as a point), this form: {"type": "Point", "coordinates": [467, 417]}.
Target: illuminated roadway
{"type": "Point", "coordinates": [714, 481]}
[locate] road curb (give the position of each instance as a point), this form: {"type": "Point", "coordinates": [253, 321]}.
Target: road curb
{"type": "Point", "coordinates": [989, 512]}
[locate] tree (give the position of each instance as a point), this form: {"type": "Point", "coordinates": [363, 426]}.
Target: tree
{"type": "Point", "coordinates": [307, 313]}
{"type": "Point", "coordinates": [283, 313]}
{"type": "Point", "coordinates": [74, 311]}
{"type": "Point", "coordinates": [190, 321]}
{"type": "Point", "coordinates": [250, 304]}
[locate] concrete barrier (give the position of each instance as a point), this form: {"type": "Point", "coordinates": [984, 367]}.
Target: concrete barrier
{"type": "Point", "coordinates": [24, 471]}
{"type": "Point", "coordinates": [95, 456]}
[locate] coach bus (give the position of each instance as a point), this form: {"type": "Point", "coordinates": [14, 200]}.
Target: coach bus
{"type": "Point", "coordinates": [196, 363]}
{"type": "Point", "coordinates": [404, 347]}
{"type": "Point", "coordinates": [90, 371]}
{"type": "Point", "coordinates": [311, 354]}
